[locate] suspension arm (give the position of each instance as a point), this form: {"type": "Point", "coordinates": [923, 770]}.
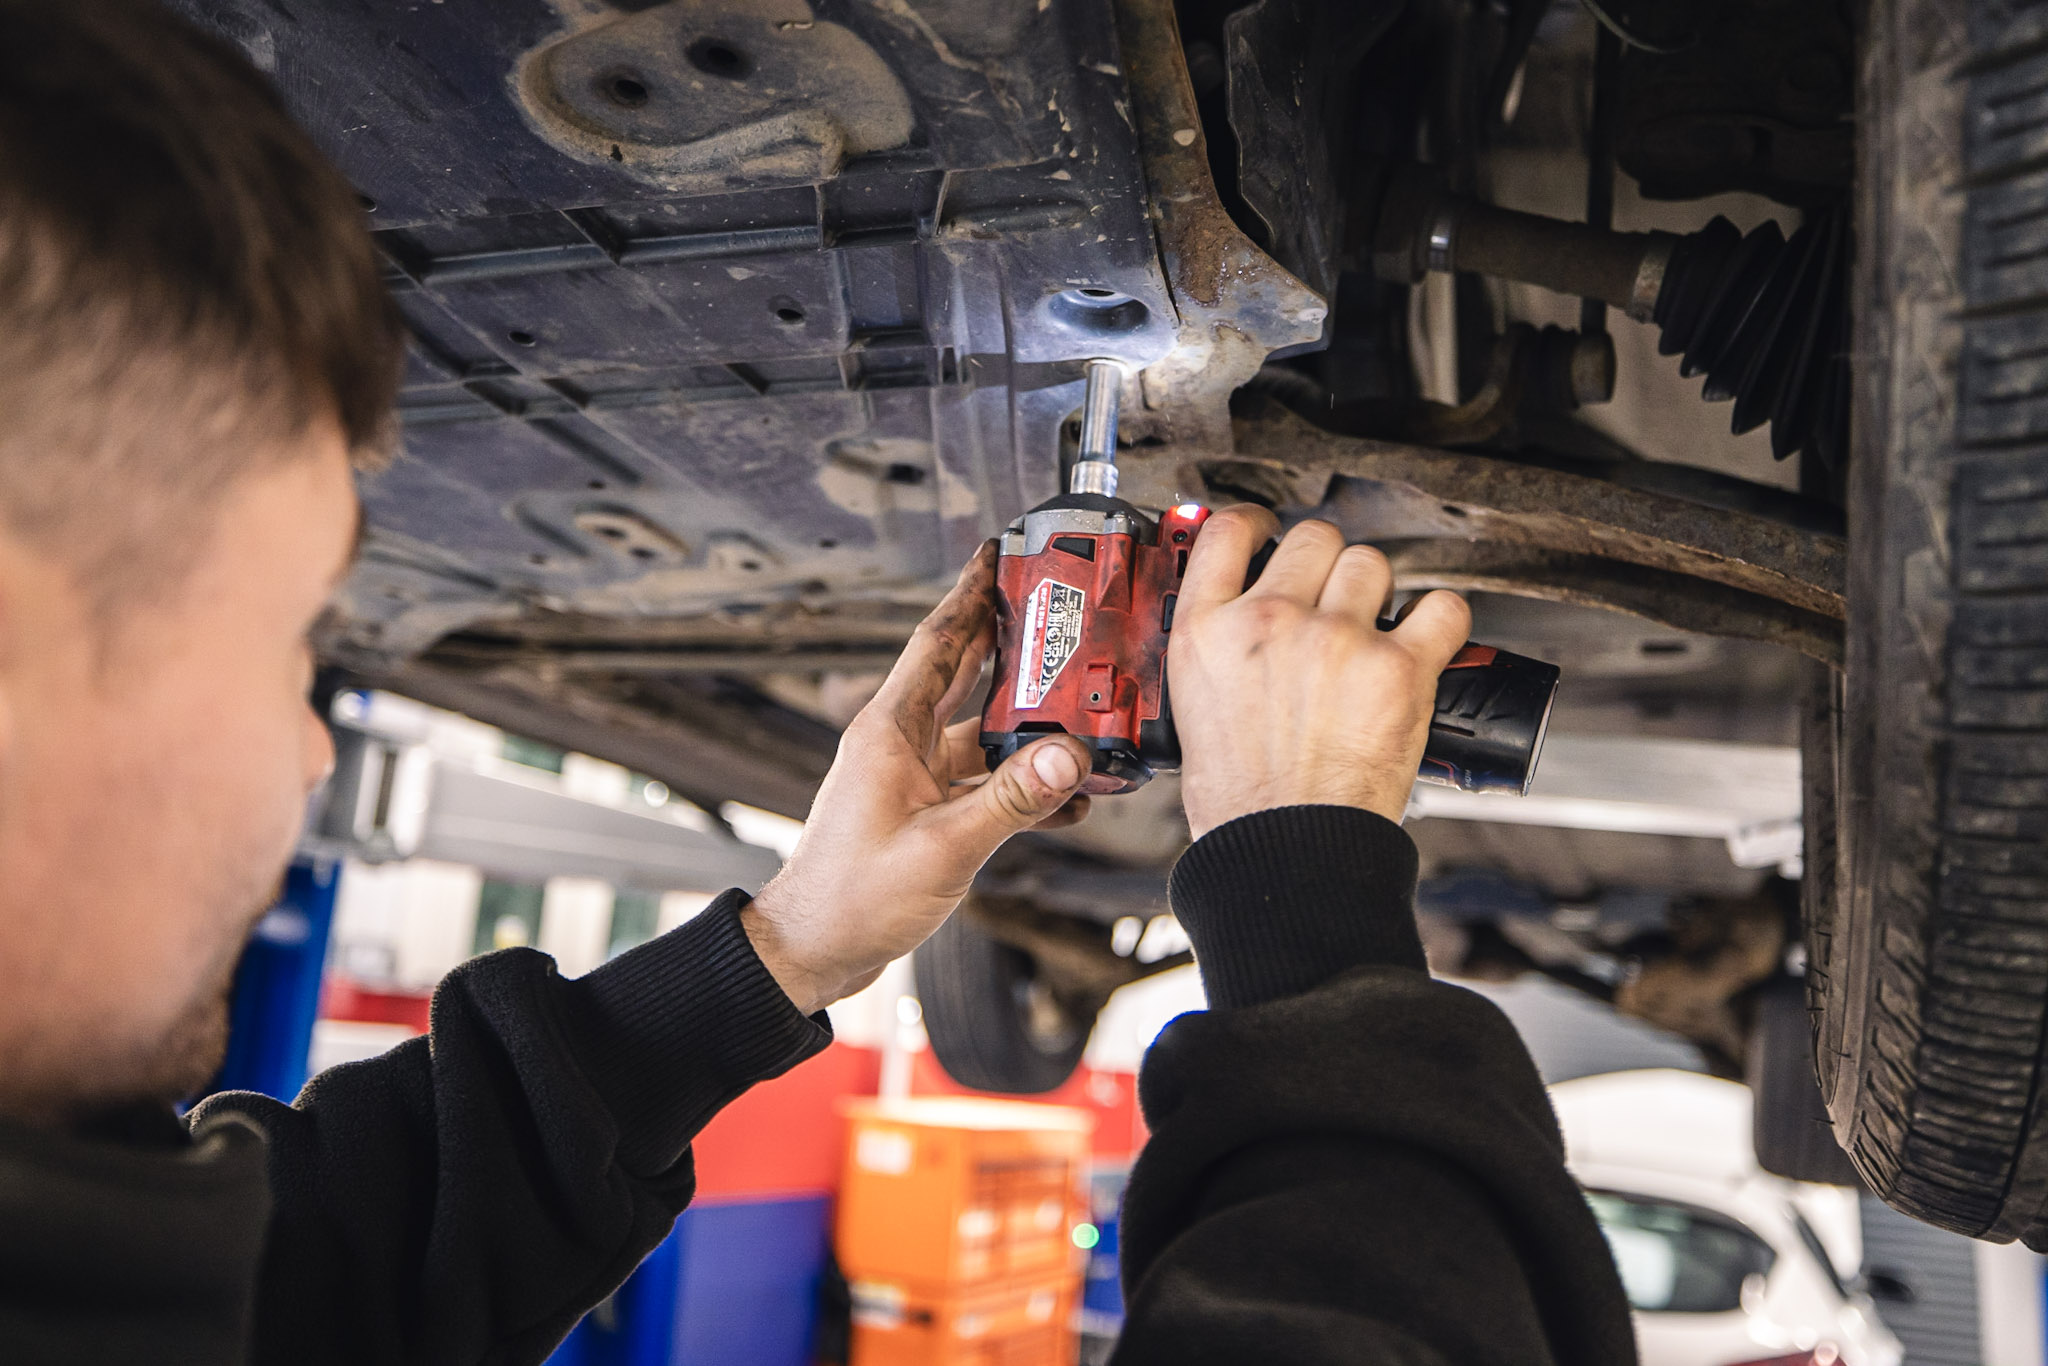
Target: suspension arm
{"type": "Point", "coordinates": [1762, 566]}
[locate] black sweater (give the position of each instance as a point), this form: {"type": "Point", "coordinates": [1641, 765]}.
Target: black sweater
{"type": "Point", "coordinates": [1350, 1163]}
{"type": "Point", "coordinates": [463, 1198]}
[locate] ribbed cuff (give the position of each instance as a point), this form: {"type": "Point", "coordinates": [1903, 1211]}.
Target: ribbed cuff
{"type": "Point", "coordinates": [670, 1032]}
{"type": "Point", "coordinates": [1278, 902]}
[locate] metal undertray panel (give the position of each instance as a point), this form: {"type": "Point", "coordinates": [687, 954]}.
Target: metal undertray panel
{"type": "Point", "coordinates": [758, 308]}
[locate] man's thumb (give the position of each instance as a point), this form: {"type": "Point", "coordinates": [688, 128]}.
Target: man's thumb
{"type": "Point", "coordinates": [1028, 786]}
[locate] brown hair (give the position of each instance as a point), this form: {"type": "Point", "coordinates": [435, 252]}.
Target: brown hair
{"type": "Point", "coordinates": [186, 286]}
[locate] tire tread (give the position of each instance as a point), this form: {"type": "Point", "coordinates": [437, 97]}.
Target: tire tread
{"type": "Point", "coordinates": [1945, 855]}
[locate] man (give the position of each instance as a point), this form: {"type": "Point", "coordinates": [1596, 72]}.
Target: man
{"type": "Point", "coordinates": [1351, 1163]}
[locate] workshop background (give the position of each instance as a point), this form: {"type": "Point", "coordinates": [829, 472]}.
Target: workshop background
{"type": "Point", "coordinates": [866, 1209]}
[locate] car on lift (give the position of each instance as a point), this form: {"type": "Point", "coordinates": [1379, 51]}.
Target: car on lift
{"type": "Point", "coordinates": [738, 324]}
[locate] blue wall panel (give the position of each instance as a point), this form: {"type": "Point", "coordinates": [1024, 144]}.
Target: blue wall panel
{"type": "Point", "coordinates": [750, 1275]}
{"type": "Point", "coordinates": [736, 1284]}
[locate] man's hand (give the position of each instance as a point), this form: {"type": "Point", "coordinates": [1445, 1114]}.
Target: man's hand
{"type": "Point", "coordinates": [909, 812]}
{"type": "Point", "coordinates": [1289, 694]}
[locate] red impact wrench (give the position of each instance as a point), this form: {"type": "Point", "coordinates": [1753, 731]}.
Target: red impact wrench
{"type": "Point", "coordinates": [1085, 591]}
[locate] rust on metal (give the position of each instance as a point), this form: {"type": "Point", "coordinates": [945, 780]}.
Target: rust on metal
{"type": "Point", "coordinates": [1653, 594]}
{"type": "Point", "coordinates": [1236, 304]}
{"type": "Point", "coordinates": [1478, 521]}
{"type": "Point", "coordinates": [1698, 989]}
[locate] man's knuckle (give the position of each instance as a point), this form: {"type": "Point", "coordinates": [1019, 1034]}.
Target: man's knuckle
{"type": "Point", "coordinates": [1326, 632]}
{"type": "Point", "coordinates": [1015, 801]}
{"type": "Point", "coordinates": [1369, 557]}
{"type": "Point", "coordinates": [1247, 515]}
{"type": "Point", "coordinates": [1266, 615]}
{"type": "Point", "coordinates": [1319, 532]}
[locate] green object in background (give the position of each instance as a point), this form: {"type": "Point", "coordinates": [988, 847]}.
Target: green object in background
{"type": "Point", "coordinates": [634, 918]}
{"type": "Point", "coordinates": [532, 753]}
{"type": "Point", "coordinates": [507, 916]}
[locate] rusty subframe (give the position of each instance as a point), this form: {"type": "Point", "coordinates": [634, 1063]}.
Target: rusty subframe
{"type": "Point", "coordinates": [1447, 520]}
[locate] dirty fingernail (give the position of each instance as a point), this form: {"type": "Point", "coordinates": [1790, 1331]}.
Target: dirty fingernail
{"type": "Point", "coordinates": [1055, 766]}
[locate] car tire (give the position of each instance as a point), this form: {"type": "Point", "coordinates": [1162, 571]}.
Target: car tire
{"type": "Point", "coordinates": [1927, 879]}
{"type": "Point", "coordinates": [1790, 1126]}
{"type": "Point", "coordinates": [993, 1023]}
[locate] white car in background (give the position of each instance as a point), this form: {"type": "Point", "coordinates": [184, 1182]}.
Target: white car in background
{"type": "Point", "coordinates": [1725, 1264]}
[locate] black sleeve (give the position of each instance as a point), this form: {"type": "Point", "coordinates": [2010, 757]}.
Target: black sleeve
{"type": "Point", "coordinates": [467, 1196]}
{"type": "Point", "coordinates": [1350, 1162]}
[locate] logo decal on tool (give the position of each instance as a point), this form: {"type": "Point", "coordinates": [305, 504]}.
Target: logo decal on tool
{"type": "Point", "coordinates": [1052, 632]}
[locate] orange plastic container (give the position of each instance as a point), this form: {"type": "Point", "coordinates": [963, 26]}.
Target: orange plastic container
{"type": "Point", "coordinates": [1027, 1322]}
{"type": "Point", "coordinates": [943, 1194]}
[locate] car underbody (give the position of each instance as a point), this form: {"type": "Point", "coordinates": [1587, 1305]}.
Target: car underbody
{"type": "Point", "coordinates": [739, 324]}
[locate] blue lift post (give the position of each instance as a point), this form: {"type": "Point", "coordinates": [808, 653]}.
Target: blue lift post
{"type": "Point", "coordinates": [277, 986]}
